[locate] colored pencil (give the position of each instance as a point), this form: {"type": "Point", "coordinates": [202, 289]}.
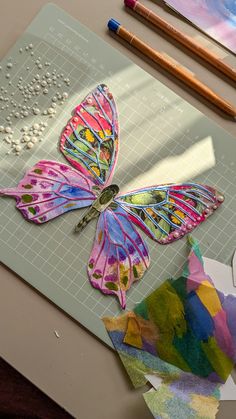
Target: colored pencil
{"type": "Point", "coordinates": [183, 39]}
{"type": "Point", "coordinates": [172, 67]}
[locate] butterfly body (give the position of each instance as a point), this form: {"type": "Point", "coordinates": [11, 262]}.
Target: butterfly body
{"type": "Point", "coordinates": [104, 200]}
{"type": "Point", "coordinates": [165, 213]}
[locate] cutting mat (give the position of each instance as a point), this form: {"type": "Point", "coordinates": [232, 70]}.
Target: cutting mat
{"type": "Point", "coordinates": [163, 139]}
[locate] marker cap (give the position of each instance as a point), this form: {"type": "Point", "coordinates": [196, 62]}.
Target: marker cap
{"type": "Point", "coordinates": [113, 25]}
{"type": "Point", "coordinates": [130, 3]}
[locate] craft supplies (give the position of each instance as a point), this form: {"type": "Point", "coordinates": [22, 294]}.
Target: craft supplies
{"type": "Point", "coordinates": [182, 38]}
{"type": "Point", "coordinates": [162, 138]}
{"type": "Point", "coordinates": [172, 67]}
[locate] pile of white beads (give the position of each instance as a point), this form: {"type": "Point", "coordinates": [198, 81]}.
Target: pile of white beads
{"type": "Point", "coordinates": [23, 100]}
{"type": "Point", "coordinates": [30, 135]}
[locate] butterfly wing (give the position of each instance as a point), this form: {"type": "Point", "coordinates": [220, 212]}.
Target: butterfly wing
{"type": "Point", "coordinates": [90, 139]}
{"type": "Point", "coordinates": [168, 212]}
{"type": "Point", "coordinates": [50, 189]}
{"type": "Point", "coordinates": [119, 255]}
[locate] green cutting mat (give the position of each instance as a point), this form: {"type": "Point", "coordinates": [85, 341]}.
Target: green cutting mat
{"type": "Point", "coordinates": [163, 138]}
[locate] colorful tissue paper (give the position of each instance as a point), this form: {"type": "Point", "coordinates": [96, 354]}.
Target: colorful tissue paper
{"type": "Point", "coordinates": [186, 322]}
{"type": "Point", "coordinates": [179, 394]}
{"type": "Point", "coordinates": [184, 399]}
{"type": "Point", "coordinates": [184, 333]}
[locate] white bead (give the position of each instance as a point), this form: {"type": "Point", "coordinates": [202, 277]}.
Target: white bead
{"type": "Point", "coordinates": [65, 95]}
{"type": "Point", "coordinates": [30, 145]}
{"type": "Point", "coordinates": [36, 126]}
{"type": "Point", "coordinates": [18, 148]}
{"type": "Point", "coordinates": [220, 198]}
{"type": "Point", "coordinates": [1, 128]}
{"type": "Point", "coordinates": [176, 234]}
{"type": "Point", "coordinates": [8, 130]}
{"type": "Point", "coordinates": [50, 111]}
{"type": "Point", "coordinates": [34, 140]}
{"type": "Point", "coordinates": [26, 138]}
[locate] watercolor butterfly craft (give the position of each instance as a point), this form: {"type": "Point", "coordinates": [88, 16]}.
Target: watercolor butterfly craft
{"type": "Point", "coordinates": [164, 212]}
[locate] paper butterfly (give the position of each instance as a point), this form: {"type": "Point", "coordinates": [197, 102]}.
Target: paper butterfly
{"type": "Point", "coordinates": [164, 212]}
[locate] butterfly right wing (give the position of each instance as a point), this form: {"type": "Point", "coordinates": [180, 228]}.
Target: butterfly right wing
{"type": "Point", "coordinates": [50, 189]}
{"type": "Point", "coordinates": [168, 212]}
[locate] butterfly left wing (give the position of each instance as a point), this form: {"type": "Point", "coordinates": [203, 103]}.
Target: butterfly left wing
{"type": "Point", "coordinates": [168, 212]}
{"type": "Point", "coordinates": [50, 189]}
{"type": "Point", "coordinates": [90, 139]}
{"type": "Point", "coordinates": [119, 255]}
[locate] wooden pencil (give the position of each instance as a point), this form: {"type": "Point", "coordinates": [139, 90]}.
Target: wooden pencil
{"type": "Point", "coordinates": [183, 39]}
{"type": "Point", "coordinates": [172, 67]}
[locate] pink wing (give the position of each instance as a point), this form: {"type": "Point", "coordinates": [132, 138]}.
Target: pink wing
{"type": "Point", "coordinates": [167, 212]}
{"type": "Point", "coordinates": [50, 189]}
{"type": "Point", "coordinates": [119, 255]}
{"type": "Point", "coordinates": [90, 139]}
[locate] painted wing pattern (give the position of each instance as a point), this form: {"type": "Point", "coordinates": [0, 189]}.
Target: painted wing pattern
{"type": "Point", "coordinates": [168, 212]}
{"type": "Point", "coordinates": [90, 139]}
{"type": "Point", "coordinates": [119, 256]}
{"type": "Point", "coordinates": [50, 189]}
{"type": "Point", "coordinates": [90, 143]}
